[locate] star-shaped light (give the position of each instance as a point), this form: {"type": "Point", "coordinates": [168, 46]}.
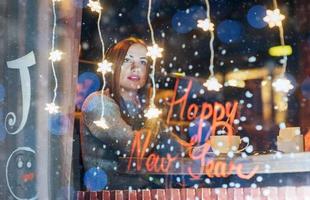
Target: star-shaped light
{"type": "Point", "coordinates": [274, 18]}
{"type": "Point", "coordinates": [104, 67]}
{"type": "Point", "coordinates": [102, 123]}
{"type": "Point", "coordinates": [154, 51]}
{"type": "Point", "coordinates": [94, 6]}
{"type": "Point", "coordinates": [205, 24]}
{"type": "Point", "coordinates": [152, 112]}
{"type": "Point", "coordinates": [55, 55]}
{"type": "Point", "coordinates": [213, 84]}
{"type": "Point", "coordinates": [282, 84]}
{"type": "Point", "coordinates": [52, 108]}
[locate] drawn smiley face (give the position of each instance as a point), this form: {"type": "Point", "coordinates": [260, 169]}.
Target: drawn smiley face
{"type": "Point", "coordinates": [20, 173]}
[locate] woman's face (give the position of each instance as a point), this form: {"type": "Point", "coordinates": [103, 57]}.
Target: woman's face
{"type": "Point", "coordinates": [133, 73]}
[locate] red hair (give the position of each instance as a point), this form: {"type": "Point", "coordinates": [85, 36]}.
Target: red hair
{"type": "Point", "coordinates": [116, 55]}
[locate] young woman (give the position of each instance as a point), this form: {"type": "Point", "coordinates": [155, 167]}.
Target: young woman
{"type": "Point", "coordinates": [124, 113]}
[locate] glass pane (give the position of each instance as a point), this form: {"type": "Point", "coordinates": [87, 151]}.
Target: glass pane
{"type": "Point", "coordinates": [36, 146]}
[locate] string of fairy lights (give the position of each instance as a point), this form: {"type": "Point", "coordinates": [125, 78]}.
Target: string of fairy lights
{"type": "Point", "coordinates": [55, 56]}
{"type": "Point", "coordinates": [154, 52]}
{"type": "Point", "coordinates": [104, 66]}
{"type": "Point", "coordinates": [212, 84]}
{"type": "Point", "coordinates": [275, 18]}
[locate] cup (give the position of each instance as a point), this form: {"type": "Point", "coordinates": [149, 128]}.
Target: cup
{"type": "Point", "coordinates": [223, 144]}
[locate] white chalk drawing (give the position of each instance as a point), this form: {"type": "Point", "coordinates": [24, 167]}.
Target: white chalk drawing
{"type": "Point", "coordinates": [24, 162]}
{"type": "Point", "coordinates": [22, 65]}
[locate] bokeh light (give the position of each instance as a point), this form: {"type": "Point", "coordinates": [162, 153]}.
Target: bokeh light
{"type": "Point", "coordinates": [206, 129]}
{"type": "Point", "coordinates": [58, 124]}
{"type": "Point", "coordinates": [95, 179]}
{"type": "Point", "coordinates": [305, 88]}
{"type": "Point", "coordinates": [88, 83]}
{"type": "Point", "coordinates": [186, 20]}
{"type": "Point", "coordinates": [255, 16]}
{"type": "Point", "coordinates": [230, 31]}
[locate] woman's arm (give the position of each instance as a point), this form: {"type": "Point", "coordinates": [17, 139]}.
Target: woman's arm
{"type": "Point", "coordinates": [119, 132]}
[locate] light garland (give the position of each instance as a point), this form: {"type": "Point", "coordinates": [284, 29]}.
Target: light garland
{"type": "Point", "coordinates": [154, 52]}
{"type": "Point", "coordinates": [104, 66]}
{"type": "Point", "coordinates": [274, 18]}
{"type": "Point", "coordinates": [55, 56]}
{"type": "Point", "coordinates": [212, 84]}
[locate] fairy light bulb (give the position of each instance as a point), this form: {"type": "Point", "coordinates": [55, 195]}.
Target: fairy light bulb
{"type": "Point", "coordinates": [104, 67]}
{"type": "Point", "coordinates": [94, 6]}
{"type": "Point", "coordinates": [154, 51]}
{"type": "Point", "coordinates": [52, 108]}
{"type": "Point", "coordinates": [212, 84]}
{"type": "Point", "coordinates": [282, 84]}
{"type": "Point", "coordinates": [55, 55]}
{"type": "Point", "coordinates": [274, 18]}
{"type": "Point", "coordinates": [205, 24]}
{"type": "Point", "coordinates": [102, 123]}
{"type": "Point", "coordinates": [152, 112]}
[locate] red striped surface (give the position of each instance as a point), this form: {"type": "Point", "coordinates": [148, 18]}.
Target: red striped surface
{"type": "Point", "coordinates": [266, 193]}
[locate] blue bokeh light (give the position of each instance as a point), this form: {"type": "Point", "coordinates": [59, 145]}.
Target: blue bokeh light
{"type": "Point", "coordinates": [88, 83]}
{"type": "Point", "coordinates": [186, 20]}
{"type": "Point", "coordinates": [230, 31]}
{"type": "Point", "coordinates": [206, 129]}
{"type": "Point", "coordinates": [58, 124]}
{"type": "Point", "coordinates": [95, 179]}
{"type": "Point", "coordinates": [305, 88]}
{"type": "Point", "coordinates": [2, 93]}
{"type": "Point", "coordinates": [255, 16]}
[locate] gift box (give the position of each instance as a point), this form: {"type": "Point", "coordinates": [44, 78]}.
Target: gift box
{"type": "Point", "coordinates": [290, 140]}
